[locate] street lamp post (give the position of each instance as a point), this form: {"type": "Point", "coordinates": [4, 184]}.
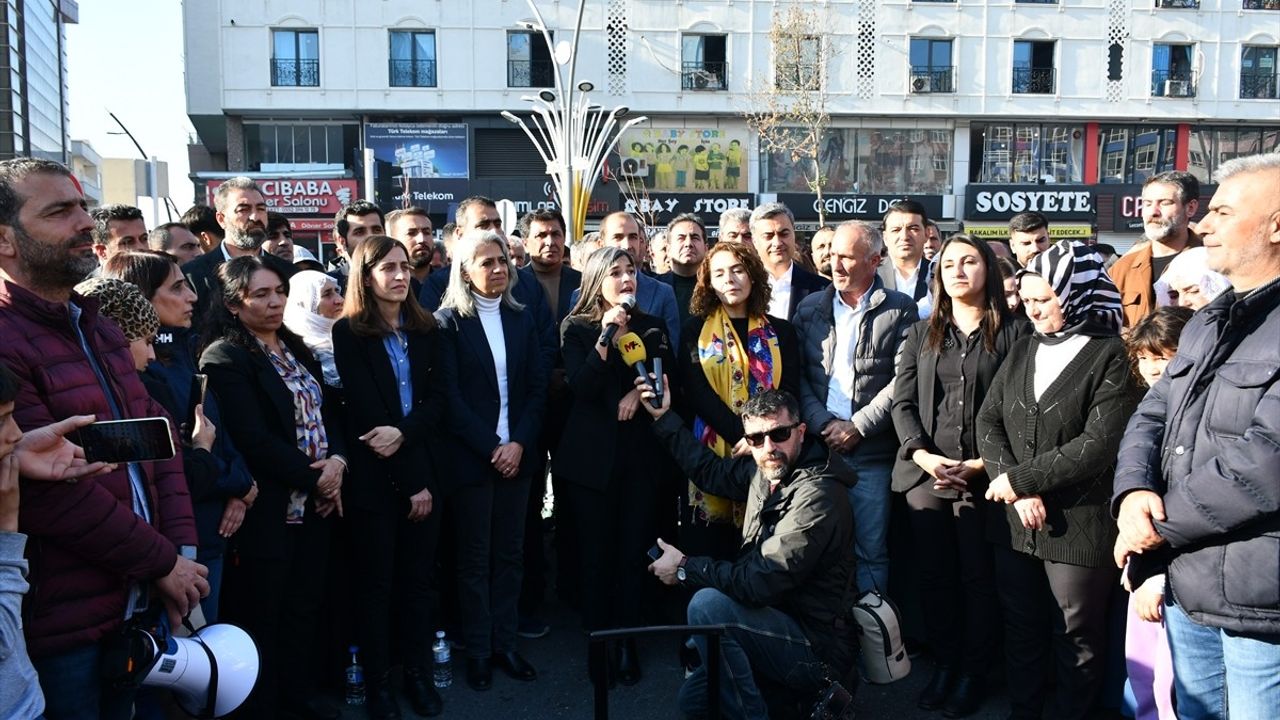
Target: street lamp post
{"type": "Point", "coordinates": [572, 135]}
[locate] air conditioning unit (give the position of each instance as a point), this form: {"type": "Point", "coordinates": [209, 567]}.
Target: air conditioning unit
{"type": "Point", "coordinates": [701, 80]}
{"type": "Point", "coordinates": [634, 167]}
{"type": "Point", "coordinates": [1177, 88]}
{"type": "Point", "coordinates": [921, 84]}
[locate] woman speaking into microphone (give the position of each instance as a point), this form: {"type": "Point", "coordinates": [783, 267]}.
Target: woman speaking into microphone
{"type": "Point", "coordinates": [608, 457]}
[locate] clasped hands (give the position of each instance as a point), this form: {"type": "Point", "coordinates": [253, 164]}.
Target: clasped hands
{"type": "Point", "coordinates": [1030, 509]}
{"type": "Point", "coordinates": [947, 474]}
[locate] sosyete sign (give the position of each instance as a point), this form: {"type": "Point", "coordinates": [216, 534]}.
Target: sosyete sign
{"type": "Point", "coordinates": [1001, 202]}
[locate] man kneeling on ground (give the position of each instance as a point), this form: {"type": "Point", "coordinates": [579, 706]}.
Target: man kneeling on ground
{"type": "Point", "coordinates": [785, 599]}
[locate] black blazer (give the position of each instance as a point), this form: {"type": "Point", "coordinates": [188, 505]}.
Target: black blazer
{"type": "Point", "coordinates": [470, 383]}
{"type": "Point", "coordinates": [889, 275]}
{"type": "Point", "coordinates": [369, 387]}
{"type": "Point", "coordinates": [202, 272]}
{"type": "Point", "coordinates": [915, 398]}
{"type": "Point", "coordinates": [803, 283]}
{"type": "Point", "coordinates": [591, 433]}
{"type": "Point", "coordinates": [258, 410]}
{"type": "Point", "coordinates": [570, 279]}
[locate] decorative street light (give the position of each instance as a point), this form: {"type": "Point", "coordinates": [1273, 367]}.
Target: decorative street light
{"type": "Point", "coordinates": [572, 135]}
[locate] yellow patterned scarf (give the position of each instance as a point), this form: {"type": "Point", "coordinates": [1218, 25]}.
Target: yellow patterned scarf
{"type": "Point", "coordinates": [736, 371]}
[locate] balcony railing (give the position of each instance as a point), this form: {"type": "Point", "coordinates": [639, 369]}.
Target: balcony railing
{"type": "Point", "coordinates": [1173, 83]}
{"type": "Point", "coordinates": [412, 73]}
{"type": "Point", "coordinates": [704, 76]}
{"type": "Point", "coordinates": [1261, 5]}
{"type": "Point", "coordinates": [1034, 81]}
{"type": "Point", "coordinates": [1255, 85]}
{"type": "Point", "coordinates": [932, 79]}
{"type": "Point", "coordinates": [529, 73]}
{"type": "Point", "coordinates": [1177, 3]}
{"type": "Point", "coordinates": [295, 73]}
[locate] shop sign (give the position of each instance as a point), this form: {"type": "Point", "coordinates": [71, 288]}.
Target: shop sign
{"type": "Point", "coordinates": [661, 207]}
{"type": "Point", "coordinates": [1001, 202]}
{"type": "Point", "coordinates": [1001, 232]}
{"type": "Point", "coordinates": [301, 198]}
{"type": "Point", "coordinates": [855, 207]}
{"type": "Point", "coordinates": [422, 164]}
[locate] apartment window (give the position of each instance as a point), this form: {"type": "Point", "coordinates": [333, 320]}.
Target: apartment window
{"type": "Point", "coordinates": [529, 62]}
{"type": "Point", "coordinates": [1261, 4]}
{"type": "Point", "coordinates": [1036, 2]}
{"type": "Point", "coordinates": [703, 63]}
{"type": "Point", "coordinates": [295, 58]}
{"type": "Point", "coordinates": [1028, 153]}
{"type": "Point", "coordinates": [1175, 4]}
{"type": "Point", "coordinates": [279, 147]}
{"type": "Point", "coordinates": [413, 58]}
{"type": "Point", "coordinates": [1258, 72]}
{"type": "Point", "coordinates": [1033, 71]}
{"type": "Point", "coordinates": [934, 1]}
{"type": "Point", "coordinates": [1133, 153]}
{"type": "Point", "coordinates": [1171, 74]}
{"type": "Point", "coordinates": [1212, 146]}
{"type": "Point", "coordinates": [796, 62]}
{"type": "Point", "coordinates": [931, 69]}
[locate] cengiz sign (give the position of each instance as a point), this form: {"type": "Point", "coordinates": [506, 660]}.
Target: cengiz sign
{"type": "Point", "coordinates": [858, 207]}
{"type": "Point", "coordinates": [1001, 202]}
{"type": "Point", "coordinates": [301, 198]}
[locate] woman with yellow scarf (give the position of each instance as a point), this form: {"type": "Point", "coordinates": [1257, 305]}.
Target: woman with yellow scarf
{"type": "Point", "coordinates": [731, 351]}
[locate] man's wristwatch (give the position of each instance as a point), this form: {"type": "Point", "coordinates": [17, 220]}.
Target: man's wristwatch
{"type": "Point", "coordinates": [680, 574]}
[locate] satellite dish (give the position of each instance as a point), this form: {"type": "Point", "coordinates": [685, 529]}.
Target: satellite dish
{"type": "Point", "coordinates": [564, 52]}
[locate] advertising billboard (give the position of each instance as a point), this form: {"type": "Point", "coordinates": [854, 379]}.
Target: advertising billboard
{"type": "Point", "coordinates": [683, 160]}
{"type": "Point", "coordinates": [423, 164]}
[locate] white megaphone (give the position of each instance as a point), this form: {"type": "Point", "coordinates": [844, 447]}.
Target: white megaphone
{"type": "Point", "coordinates": [210, 673]}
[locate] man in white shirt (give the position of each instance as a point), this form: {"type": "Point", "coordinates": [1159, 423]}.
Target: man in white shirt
{"type": "Point", "coordinates": [850, 335]}
{"type": "Point", "coordinates": [773, 232]}
{"type": "Point", "coordinates": [907, 271]}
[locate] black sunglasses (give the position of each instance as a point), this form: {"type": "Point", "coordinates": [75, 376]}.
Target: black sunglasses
{"type": "Point", "coordinates": [778, 434]}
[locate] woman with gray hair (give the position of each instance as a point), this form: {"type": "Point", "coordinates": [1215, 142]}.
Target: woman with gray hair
{"type": "Point", "coordinates": [493, 373]}
{"type": "Point", "coordinates": [1188, 282]}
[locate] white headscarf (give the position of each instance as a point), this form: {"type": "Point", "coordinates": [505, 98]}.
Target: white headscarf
{"type": "Point", "coordinates": [301, 316]}
{"type": "Point", "coordinates": [1188, 267]}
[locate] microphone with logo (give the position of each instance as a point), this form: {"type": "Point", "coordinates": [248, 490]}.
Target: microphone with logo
{"type": "Point", "coordinates": [628, 303]}
{"type": "Point", "coordinates": [633, 354]}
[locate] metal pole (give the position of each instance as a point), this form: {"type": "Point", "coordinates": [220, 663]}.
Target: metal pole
{"type": "Point", "coordinates": [153, 186]}
{"type": "Point", "coordinates": [368, 175]}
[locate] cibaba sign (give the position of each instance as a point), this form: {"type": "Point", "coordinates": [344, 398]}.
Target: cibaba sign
{"type": "Point", "coordinates": [1001, 202]}
{"type": "Point", "coordinates": [301, 197]}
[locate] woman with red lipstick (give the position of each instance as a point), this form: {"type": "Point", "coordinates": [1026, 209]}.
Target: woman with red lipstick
{"type": "Point", "coordinates": [384, 348]}
{"type": "Point", "coordinates": [286, 425]}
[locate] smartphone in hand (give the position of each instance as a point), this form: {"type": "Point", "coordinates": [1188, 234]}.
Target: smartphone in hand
{"type": "Point", "coordinates": [654, 553]}
{"type": "Point", "coordinates": [124, 441]}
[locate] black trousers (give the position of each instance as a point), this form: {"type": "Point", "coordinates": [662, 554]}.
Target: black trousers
{"type": "Point", "coordinates": [490, 538]}
{"type": "Point", "coordinates": [614, 531]}
{"type": "Point", "coordinates": [1056, 609]}
{"type": "Point", "coordinates": [956, 574]}
{"type": "Point", "coordinates": [393, 559]}
{"type": "Point", "coordinates": [533, 585]}
{"type": "Point", "coordinates": [277, 601]}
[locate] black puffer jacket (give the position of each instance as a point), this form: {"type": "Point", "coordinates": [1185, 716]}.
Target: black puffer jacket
{"type": "Point", "coordinates": [1207, 438]}
{"type": "Point", "coordinates": [797, 552]}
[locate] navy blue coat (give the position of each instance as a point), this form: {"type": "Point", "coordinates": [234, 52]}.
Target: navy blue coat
{"type": "Point", "coordinates": [470, 383]}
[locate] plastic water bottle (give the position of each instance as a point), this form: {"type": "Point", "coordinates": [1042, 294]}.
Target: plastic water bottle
{"type": "Point", "coordinates": [355, 679]}
{"type": "Point", "coordinates": [442, 672]}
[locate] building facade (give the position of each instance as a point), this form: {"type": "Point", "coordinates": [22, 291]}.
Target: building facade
{"type": "Point", "coordinates": [979, 108]}
{"type": "Point", "coordinates": [33, 78]}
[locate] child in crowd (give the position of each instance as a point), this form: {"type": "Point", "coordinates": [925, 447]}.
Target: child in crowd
{"type": "Point", "coordinates": [1152, 343]}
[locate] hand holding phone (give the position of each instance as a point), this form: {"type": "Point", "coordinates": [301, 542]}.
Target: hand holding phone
{"type": "Point", "coordinates": [654, 553]}
{"type": "Point", "coordinates": [123, 441]}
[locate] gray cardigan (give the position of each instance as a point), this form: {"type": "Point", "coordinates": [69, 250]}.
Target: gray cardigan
{"type": "Point", "coordinates": [884, 326]}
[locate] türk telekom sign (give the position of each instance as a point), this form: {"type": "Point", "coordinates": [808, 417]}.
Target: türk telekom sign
{"type": "Point", "coordinates": [302, 198]}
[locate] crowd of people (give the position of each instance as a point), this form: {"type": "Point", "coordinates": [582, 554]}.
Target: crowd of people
{"type": "Point", "coordinates": [999, 436]}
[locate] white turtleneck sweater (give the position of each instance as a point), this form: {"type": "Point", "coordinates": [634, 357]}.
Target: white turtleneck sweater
{"type": "Point", "coordinates": [490, 312]}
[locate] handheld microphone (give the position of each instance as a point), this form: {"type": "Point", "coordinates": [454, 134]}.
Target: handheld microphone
{"type": "Point", "coordinates": [628, 303]}
{"type": "Point", "coordinates": [656, 402]}
{"type": "Point", "coordinates": [633, 354]}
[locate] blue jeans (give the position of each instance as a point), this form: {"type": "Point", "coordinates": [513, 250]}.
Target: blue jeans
{"type": "Point", "coordinates": [73, 687]}
{"type": "Point", "coordinates": [870, 501]}
{"type": "Point", "coordinates": [1217, 671]}
{"type": "Point", "coordinates": [757, 641]}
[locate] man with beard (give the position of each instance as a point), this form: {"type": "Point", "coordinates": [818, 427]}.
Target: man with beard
{"type": "Point", "coordinates": [782, 600]}
{"type": "Point", "coordinates": [122, 546]}
{"type": "Point", "coordinates": [1169, 201]}
{"type": "Point", "coordinates": [820, 247]}
{"type": "Point", "coordinates": [117, 228]}
{"type": "Point", "coordinates": [1028, 236]}
{"type": "Point", "coordinates": [352, 224]}
{"type": "Point", "coordinates": [687, 245]}
{"type": "Point", "coordinates": [412, 226]}
{"type": "Point", "coordinates": [242, 213]}
{"type": "Point", "coordinates": [175, 239]}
